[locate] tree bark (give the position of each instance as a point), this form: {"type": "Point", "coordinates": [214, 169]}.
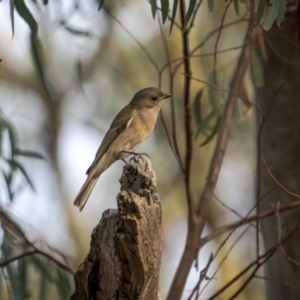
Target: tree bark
{"type": "Point", "coordinates": [125, 252]}
{"type": "Point", "coordinates": [279, 101]}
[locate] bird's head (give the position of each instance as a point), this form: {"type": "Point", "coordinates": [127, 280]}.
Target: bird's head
{"type": "Point", "coordinates": [149, 98]}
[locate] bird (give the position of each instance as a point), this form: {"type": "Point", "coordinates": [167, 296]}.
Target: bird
{"type": "Point", "coordinates": [131, 126]}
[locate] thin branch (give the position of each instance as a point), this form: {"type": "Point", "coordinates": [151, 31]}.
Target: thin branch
{"type": "Point", "coordinates": [143, 48]}
{"type": "Point", "coordinates": [278, 282]}
{"type": "Point", "coordinates": [244, 221]}
{"type": "Point", "coordinates": [17, 257]}
{"type": "Point", "coordinates": [276, 181]}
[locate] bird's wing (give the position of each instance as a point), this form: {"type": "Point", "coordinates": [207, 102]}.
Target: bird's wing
{"type": "Point", "coordinates": [119, 124]}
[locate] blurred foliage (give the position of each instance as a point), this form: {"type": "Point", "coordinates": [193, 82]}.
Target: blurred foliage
{"type": "Point", "coordinates": [11, 166]}
{"type": "Point", "coordinates": [20, 257]}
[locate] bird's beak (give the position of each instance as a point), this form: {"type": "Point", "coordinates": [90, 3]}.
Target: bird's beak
{"type": "Point", "coordinates": [167, 96]}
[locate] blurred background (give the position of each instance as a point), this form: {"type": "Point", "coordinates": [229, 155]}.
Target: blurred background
{"type": "Point", "coordinates": [93, 62]}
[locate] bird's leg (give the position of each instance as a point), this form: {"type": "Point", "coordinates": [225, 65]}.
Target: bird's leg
{"type": "Point", "coordinates": [134, 153]}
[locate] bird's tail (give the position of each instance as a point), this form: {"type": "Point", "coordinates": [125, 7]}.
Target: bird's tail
{"type": "Point", "coordinates": [85, 192]}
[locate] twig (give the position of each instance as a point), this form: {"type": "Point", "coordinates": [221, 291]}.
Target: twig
{"type": "Point", "coordinates": [244, 221]}
{"type": "Point", "coordinates": [276, 181]}
{"type": "Point", "coordinates": [144, 49]}
{"type": "Point", "coordinates": [17, 257]}
{"type": "Point", "coordinates": [278, 282]}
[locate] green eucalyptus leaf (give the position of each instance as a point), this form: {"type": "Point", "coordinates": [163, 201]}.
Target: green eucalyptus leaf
{"type": "Point", "coordinates": [197, 108]}
{"type": "Point", "coordinates": [260, 11]}
{"type": "Point", "coordinates": [189, 12]}
{"type": "Point", "coordinates": [12, 16]}
{"type": "Point", "coordinates": [213, 132]}
{"type": "Point", "coordinates": [206, 122]}
{"type": "Point", "coordinates": [236, 6]}
{"type": "Point", "coordinates": [175, 4]}
{"type": "Point", "coordinates": [101, 4]}
{"type": "Point", "coordinates": [257, 69]}
{"type": "Point", "coordinates": [153, 7]}
{"type": "Point", "coordinates": [271, 14]}
{"type": "Point", "coordinates": [28, 153]}
{"type": "Point", "coordinates": [210, 5]}
{"type": "Point", "coordinates": [63, 285]}
{"type": "Point", "coordinates": [17, 166]}
{"type": "Point", "coordinates": [11, 135]}
{"type": "Point", "coordinates": [44, 284]}
{"type": "Point", "coordinates": [281, 12]}
{"type": "Point", "coordinates": [164, 9]}
{"type": "Point", "coordinates": [8, 180]}
{"type": "Point", "coordinates": [77, 31]}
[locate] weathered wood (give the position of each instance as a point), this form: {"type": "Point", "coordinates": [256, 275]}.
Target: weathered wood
{"type": "Point", "coordinates": [126, 246]}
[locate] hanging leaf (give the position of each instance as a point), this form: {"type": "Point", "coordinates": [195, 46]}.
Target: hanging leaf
{"type": "Point", "coordinates": [205, 122]}
{"type": "Point", "coordinates": [12, 17]}
{"type": "Point", "coordinates": [257, 69]}
{"type": "Point", "coordinates": [281, 12]}
{"type": "Point", "coordinates": [197, 108]}
{"type": "Point", "coordinates": [271, 14]}
{"type": "Point", "coordinates": [76, 31]}
{"type": "Point", "coordinates": [260, 11]}
{"type": "Point", "coordinates": [11, 136]}
{"type": "Point", "coordinates": [8, 180]}
{"type": "Point", "coordinates": [28, 153]}
{"type": "Point", "coordinates": [164, 9]}
{"type": "Point", "coordinates": [63, 285]}
{"type": "Point", "coordinates": [43, 284]}
{"type": "Point", "coordinates": [189, 12]}
{"type": "Point", "coordinates": [175, 4]}
{"type": "Point", "coordinates": [236, 7]}
{"type": "Point", "coordinates": [210, 5]}
{"type": "Point", "coordinates": [101, 4]}
{"type": "Point", "coordinates": [153, 7]}
{"type": "Point", "coordinates": [17, 166]}
{"type": "Point", "coordinates": [213, 132]}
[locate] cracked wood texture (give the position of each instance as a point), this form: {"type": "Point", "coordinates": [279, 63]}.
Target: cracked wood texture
{"type": "Point", "coordinates": [125, 251]}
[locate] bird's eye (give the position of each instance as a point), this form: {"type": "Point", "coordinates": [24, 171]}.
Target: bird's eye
{"type": "Point", "coordinates": [154, 98]}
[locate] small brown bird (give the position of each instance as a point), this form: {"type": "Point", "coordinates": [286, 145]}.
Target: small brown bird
{"type": "Point", "coordinates": [132, 125]}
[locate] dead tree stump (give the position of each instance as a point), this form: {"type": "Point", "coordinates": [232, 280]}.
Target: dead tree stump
{"type": "Point", "coordinates": [125, 251]}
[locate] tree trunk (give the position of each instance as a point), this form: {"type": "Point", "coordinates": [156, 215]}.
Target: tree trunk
{"type": "Point", "coordinates": [126, 246]}
{"type": "Point", "coordinates": [279, 101]}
